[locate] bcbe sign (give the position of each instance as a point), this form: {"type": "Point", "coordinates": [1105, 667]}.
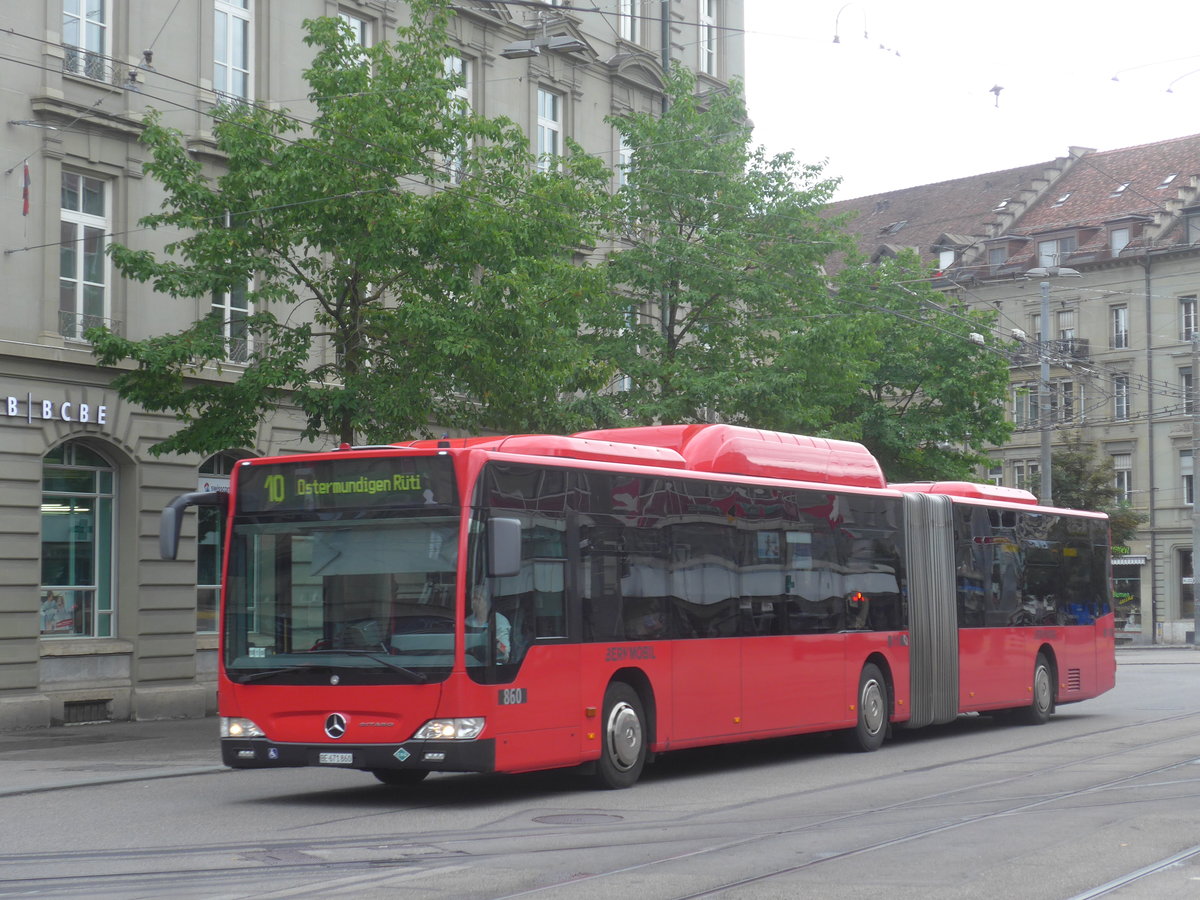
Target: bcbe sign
{"type": "Point", "coordinates": [60, 411]}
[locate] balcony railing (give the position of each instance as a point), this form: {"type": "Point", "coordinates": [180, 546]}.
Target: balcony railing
{"type": "Point", "coordinates": [1063, 350]}
{"type": "Point", "coordinates": [88, 64]}
{"type": "Point", "coordinates": [73, 326]}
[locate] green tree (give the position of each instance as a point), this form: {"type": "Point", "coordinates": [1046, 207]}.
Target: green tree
{"type": "Point", "coordinates": [930, 392]}
{"type": "Point", "coordinates": [406, 261]}
{"type": "Point", "coordinates": [719, 251]}
{"type": "Point", "coordinates": [1083, 480]}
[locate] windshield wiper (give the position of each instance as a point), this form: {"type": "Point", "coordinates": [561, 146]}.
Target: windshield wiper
{"type": "Point", "coordinates": [263, 674]}
{"type": "Point", "coordinates": [374, 657]}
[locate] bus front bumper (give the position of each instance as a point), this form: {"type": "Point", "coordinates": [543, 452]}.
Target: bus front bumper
{"type": "Point", "coordinates": [433, 756]}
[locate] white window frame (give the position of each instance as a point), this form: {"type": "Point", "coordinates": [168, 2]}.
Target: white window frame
{"type": "Point", "coordinates": [1118, 240]}
{"type": "Point", "coordinates": [1121, 399]}
{"type": "Point", "coordinates": [995, 474]}
{"type": "Point", "coordinates": [549, 128]}
{"type": "Point", "coordinates": [230, 310]}
{"type": "Point", "coordinates": [1187, 318]}
{"type": "Point", "coordinates": [1024, 471]}
{"type": "Point", "coordinates": [456, 65]}
{"type": "Point", "coordinates": [1054, 251]}
{"type": "Point", "coordinates": [1027, 408]}
{"type": "Point", "coordinates": [1186, 473]}
{"type": "Point", "coordinates": [226, 13]}
{"type": "Point", "coordinates": [1066, 324]}
{"type": "Point", "coordinates": [624, 160]}
{"type": "Point", "coordinates": [1187, 390]}
{"type": "Point", "coordinates": [629, 20]}
{"type": "Point", "coordinates": [1119, 332]}
{"type": "Point", "coordinates": [707, 17]}
{"type": "Point", "coordinates": [87, 48]}
{"type": "Point", "coordinates": [98, 600]}
{"type": "Point", "coordinates": [361, 28]}
{"type": "Point", "coordinates": [1123, 476]}
{"type": "Point", "coordinates": [77, 306]}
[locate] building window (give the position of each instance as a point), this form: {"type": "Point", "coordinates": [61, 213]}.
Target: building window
{"type": "Point", "coordinates": [1025, 474]}
{"type": "Point", "coordinates": [995, 474]}
{"type": "Point", "coordinates": [1120, 397]}
{"type": "Point", "coordinates": [997, 256]}
{"type": "Point", "coordinates": [1187, 318]}
{"type": "Point", "coordinates": [359, 27]}
{"type": "Point", "coordinates": [1187, 389]}
{"type": "Point", "coordinates": [1186, 588]}
{"type": "Point", "coordinates": [1026, 408]}
{"type": "Point", "coordinates": [1063, 400]}
{"type": "Point", "coordinates": [85, 36]}
{"type": "Point", "coordinates": [1192, 220]}
{"type": "Point", "coordinates": [549, 129]}
{"type": "Point", "coordinates": [630, 24]}
{"type": "Point", "coordinates": [1035, 326]}
{"type": "Point", "coordinates": [82, 262]}
{"type": "Point", "coordinates": [708, 36]}
{"type": "Point", "coordinates": [231, 308]}
{"type": "Point", "coordinates": [78, 538]}
{"type": "Point", "coordinates": [1066, 324]}
{"type": "Point", "coordinates": [1118, 240]}
{"type": "Point", "coordinates": [1185, 473]}
{"type": "Point", "coordinates": [210, 539]}
{"type": "Point", "coordinates": [1055, 252]}
{"type": "Point", "coordinates": [459, 69]}
{"type": "Point", "coordinates": [1123, 476]}
{"type": "Point", "coordinates": [1120, 189]}
{"type": "Point", "coordinates": [624, 161]}
{"type": "Point", "coordinates": [231, 49]}
{"type": "Point", "coordinates": [1119, 333]}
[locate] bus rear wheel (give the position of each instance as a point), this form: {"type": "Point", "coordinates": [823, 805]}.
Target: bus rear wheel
{"type": "Point", "coordinates": [623, 755]}
{"type": "Point", "coordinates": [400, 777]}
{"type": "Point", "coordinates": [1041, 706]}
{"type": "Point", "coordinates": [870, 730]}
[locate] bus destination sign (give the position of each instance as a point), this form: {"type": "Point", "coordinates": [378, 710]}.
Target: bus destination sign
{"type": "Point", "coordinates": [345, 484]}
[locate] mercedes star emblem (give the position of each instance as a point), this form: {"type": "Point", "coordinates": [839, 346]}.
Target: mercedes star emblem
{"type": "Point", "coordinates": [335, 725]}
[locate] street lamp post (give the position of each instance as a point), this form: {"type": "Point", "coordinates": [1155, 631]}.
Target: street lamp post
{"type": "Point", "coordinates": [1045, 408]}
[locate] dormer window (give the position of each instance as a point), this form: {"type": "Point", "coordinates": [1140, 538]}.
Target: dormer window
{"type": "Point", "coordinates": [1166, 182]}
{"type": "Point", "coordinates": [1120, 189]}
{"type": "Point", "coordinates": [1118, 240]}
{"type": "Point", "coordinates": [946, 259]}
{"type": "Point", "coordinates": [1054, 251]}
{"type": "Point", "coordinates": [1191, 218]}
{"type": "Point", "coordinates": [1063, 199]}
{"type": "Point", "coordinates": [1003, 204]}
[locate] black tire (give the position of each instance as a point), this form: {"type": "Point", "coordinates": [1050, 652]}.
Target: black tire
{"type": "Point", "coordinates": [623, 732]}
{"type": "Point", "coordinates": [400, 777]}
{"type": "Point", "coordinates": [1041, 705]}
{"type": "Point", "coordinates": [874, 709]}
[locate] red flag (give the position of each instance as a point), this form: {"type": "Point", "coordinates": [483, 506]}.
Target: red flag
{"type": "Point", "coordinates": [25, 192]}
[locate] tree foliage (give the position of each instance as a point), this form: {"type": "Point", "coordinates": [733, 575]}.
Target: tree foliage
{"type": "Point", "coordinates": [930, 391]}
{"type": "Point", "coordinates": [1082, 480]}
{"type": "Point", "coordinates": [406, 261]}
{"type": "Point", "coordinates": [720, 250]}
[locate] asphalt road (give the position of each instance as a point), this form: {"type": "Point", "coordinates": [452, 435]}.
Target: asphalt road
{"type": "Point", "coordinates": [1100, 802]}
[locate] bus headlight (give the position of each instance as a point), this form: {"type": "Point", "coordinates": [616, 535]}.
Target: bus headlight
{"type": "Point", "coordinates": [450, 730]}
{"type": "Point", "coordinates": [239, 728]}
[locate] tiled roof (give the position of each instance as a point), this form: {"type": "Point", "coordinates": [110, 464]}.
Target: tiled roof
{"type": "Point", "coordinates": [1081, 196]}
{"type": "Point", "coordinates": [962, 211]}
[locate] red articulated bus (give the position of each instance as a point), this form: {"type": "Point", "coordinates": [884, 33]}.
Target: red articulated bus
{"type": "Point", "coordinates": [508, 604]}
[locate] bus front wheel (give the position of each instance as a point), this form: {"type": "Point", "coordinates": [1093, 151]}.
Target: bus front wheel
{"type": "Point", "coordinates": [868, 734]}
{"type": "Point", "coordinates": [623, 755]}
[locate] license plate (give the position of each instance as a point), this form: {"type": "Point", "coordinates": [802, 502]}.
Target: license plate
{"type": "Point", "coordinates": [335, 759]}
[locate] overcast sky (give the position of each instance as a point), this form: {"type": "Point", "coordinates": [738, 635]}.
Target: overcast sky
{"type": "Point", "coordinates": [921, 109]}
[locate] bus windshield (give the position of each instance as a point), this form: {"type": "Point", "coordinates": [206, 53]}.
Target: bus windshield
{"type": "Point", "coordinates": [365, 599]}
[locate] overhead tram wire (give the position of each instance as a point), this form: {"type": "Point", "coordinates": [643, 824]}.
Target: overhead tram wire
{"type": "Point", "coordinates": [301, 121]}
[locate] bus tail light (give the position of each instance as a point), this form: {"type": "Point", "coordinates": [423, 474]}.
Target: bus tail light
{"type": "Point", "coordinates": [240, 728]}
{"type": "Point", "coordinates": [450, 730]}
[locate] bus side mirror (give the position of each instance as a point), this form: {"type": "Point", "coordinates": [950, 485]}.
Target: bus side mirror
{"type": "Point", "coordinates": [171, 521]}
{"type": "Point", "coordinates": [504, 547]}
